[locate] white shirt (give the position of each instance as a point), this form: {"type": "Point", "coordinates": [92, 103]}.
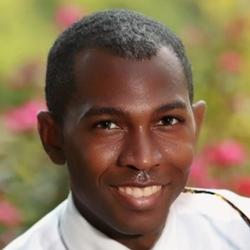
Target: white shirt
{"type": "Point", "coordinates": [195, 222]}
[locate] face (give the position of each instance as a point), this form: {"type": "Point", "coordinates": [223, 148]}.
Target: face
{"type": "Point", "coordinates": [128, 139]}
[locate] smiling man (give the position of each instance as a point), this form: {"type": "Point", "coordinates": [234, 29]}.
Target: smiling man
{"type": "Point", "coordinates": [121, 116]}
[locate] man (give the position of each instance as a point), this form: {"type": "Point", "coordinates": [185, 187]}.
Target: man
{"type": "Point", "coordinates": [121, 116]}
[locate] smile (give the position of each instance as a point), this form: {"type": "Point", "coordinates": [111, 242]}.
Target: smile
{"type": "Point", "coordinates": [140, 192]}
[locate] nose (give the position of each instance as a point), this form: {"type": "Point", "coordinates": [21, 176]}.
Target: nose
{"type": "Point", "coordinates": [140, 151]}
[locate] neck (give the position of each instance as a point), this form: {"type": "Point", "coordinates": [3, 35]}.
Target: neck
{"type": "Point", "coordinates": [140, 242]}
{"type": "Point", "coordinates": [133, 242]}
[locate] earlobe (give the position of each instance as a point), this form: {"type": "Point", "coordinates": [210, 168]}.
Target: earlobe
{"type": "Point", "coordinates": [51, 137]}
{"type": "Point", "coordinates": [199, 109]}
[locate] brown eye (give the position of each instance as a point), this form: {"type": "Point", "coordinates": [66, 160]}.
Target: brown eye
{"type": "Point", "coordinates": [168, 121]}
{"type": "Point", "coordinates": [106, 125]}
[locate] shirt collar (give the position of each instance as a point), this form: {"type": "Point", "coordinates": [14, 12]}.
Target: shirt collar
{"type": "Point", "coordinates": [77, 234]}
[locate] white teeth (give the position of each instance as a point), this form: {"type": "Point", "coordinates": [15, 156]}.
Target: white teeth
{"type": "Point", "coordinates": [138, 192]}
{"type": "Point", "coordinates": [128, 190]}
{"type": "Point", "coordinates": [147, 191]}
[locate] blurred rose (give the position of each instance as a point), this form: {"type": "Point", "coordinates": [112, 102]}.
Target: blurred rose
{"type": "Point", "coordinates": [199, 175]}
{"type": "Point", "coordinates": [23, 118]}
{"type": "Point", "coordinates": [242, 186]}
{"type": "Point", "coordinates": [66, 15]}
{"type": "Point", "coordinates": [230, 61]}
{"type": "Point", "coordinates": [9, 215]}
{"type": "Point", "coordinates": [226, 153]}
{"type": "Point", "coordinates": [198, 169]}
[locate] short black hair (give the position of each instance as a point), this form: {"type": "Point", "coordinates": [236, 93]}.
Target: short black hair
{"type": "Point", "coordinates": [121, 32]}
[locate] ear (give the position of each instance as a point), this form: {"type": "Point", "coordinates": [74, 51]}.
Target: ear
{"type": "Point", "coordinates": [199, 109]}
{"type": "Point", "coordinates": [51, 137]}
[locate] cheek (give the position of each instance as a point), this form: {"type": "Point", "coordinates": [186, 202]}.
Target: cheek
{"type": "Point", "coordinates": [179, 156]}
{"type": "Point", "coordinates": [99, 157]}
{"type": "Point", "coordinates": [89, 159]}
{"type": "Point", "coordinates": [182, 150]}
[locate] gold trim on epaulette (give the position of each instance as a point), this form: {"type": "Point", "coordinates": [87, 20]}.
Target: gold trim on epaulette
{"type": "Point", "coordinates": [200, 191]}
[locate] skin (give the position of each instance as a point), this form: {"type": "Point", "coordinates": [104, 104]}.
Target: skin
{"type": "Point", "coordinates": [129, 123]}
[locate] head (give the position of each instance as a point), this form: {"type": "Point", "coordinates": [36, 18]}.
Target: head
{"type": "Point", "coordinates": [122, 33]}
{"type": "Point", "coordinates": [121, 115]}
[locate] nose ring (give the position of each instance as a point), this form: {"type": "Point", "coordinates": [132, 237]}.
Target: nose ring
{"type": "Point", "coordinates": [142, 176]}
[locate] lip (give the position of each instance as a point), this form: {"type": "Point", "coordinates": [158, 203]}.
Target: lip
{"type": "Point", "coordinates": [136, 183]}
{"type": "Point", "coordinates": [141, 203]}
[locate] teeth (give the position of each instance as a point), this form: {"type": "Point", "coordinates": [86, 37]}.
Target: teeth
{"type": "Point", "coordinates": [128, 190]}
{"type": "Point", "coordinates": [137, 192]}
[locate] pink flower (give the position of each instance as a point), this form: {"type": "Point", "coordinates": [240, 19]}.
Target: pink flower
{"type": "Point", "coordinates": [226, 154]}
{"type": "Point", "coordinates": [198, 169]}
{"type": "Point", "coordinates": [230, 61]}
{"type": "Point", "coordinates": [9, 215]}
{"type": "Point", "coordinates": [66, 15]}
{"type": "Point", "coordinates": [199, 175]}
{"type": "Point", "coordinates": [23, 118]}
{"type": "Point", "coordinates": [242, 186]}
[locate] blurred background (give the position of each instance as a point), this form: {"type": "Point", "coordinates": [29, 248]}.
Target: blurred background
{"type": "Point", "coordinates": [216, 35]}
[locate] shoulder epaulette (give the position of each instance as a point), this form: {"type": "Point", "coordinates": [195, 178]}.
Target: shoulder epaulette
{"type": "Point", "coordinates": [201, 191]}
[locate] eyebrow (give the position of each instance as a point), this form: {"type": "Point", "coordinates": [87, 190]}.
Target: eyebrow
{"type": "Point", "coordinates": [179, 104]}
{"type": "Point", "coordinates": [95, 111]}
{"type": "Point", "coordinates": [98, 111]}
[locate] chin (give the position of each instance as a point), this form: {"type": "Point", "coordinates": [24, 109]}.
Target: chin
{"type": "Point", "coordinates": [145, 223]}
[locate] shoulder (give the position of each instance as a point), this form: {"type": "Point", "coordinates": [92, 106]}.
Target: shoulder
{"type": "Point", "coordinates": [42, 235]}
{"type": "Point", "coordinates": [214, 214]}
{"type": "Point", "coordinates": [213, 201]}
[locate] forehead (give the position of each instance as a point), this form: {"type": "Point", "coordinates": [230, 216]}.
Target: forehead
{"type": "Point", "coordinates": [104, 79]}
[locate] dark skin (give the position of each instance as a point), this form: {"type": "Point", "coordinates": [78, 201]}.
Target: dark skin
{"type": "Point", "coordinates": [129, 128]}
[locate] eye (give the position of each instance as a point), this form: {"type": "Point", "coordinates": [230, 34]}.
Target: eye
{"type": "Point", "coordinates": [168, 121]}
{"type": "Point", "coordinates": [106, 125]}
